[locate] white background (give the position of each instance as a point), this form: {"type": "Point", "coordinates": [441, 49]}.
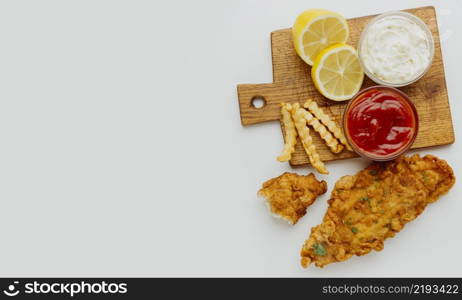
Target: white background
{"type": "Point", "coordinates": [122, 151]}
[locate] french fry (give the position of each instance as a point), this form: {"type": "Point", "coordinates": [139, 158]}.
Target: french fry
{"type": "Point", "coordinates": [307, 141]}
{"type": "Point", "coordinates": [325, 134]}
{"type": "Point", "coordinates": [290, 133]}
{"type": "Point", "coordinates": [325, 119]}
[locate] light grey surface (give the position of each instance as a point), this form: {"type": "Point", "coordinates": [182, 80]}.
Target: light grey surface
{"type": "Point", "coordinates": [122, 152]}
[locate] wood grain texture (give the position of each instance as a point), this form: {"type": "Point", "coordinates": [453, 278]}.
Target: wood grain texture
{"type": "Point", "coordinates": [292, 83]}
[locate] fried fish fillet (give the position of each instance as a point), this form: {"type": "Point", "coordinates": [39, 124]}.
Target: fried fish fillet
{"type": "Point", "coordinates": [373, 205]}
{"type": "Point", "coordinates": [290, 194]}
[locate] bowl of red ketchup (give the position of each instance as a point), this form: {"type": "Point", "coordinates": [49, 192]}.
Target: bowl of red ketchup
{"type": "Point", "coordinates": [380, 123]}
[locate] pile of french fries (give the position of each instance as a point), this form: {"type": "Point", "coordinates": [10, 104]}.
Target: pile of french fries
{"type": "Point", "coordinates": [296, 120]}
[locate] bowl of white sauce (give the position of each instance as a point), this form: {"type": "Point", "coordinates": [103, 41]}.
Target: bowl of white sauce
{"type": "Point", "coordinates": [396, 49]}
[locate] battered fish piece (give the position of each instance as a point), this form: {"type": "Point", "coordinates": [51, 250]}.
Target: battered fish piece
{"type": "Point", "coordinates": [290, 194]}
{"type": "Point", "coordinates": [373, 205]}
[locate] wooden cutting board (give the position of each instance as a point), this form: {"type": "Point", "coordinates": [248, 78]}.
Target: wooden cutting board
{"type": "Point", "coordinates": [292, 83]}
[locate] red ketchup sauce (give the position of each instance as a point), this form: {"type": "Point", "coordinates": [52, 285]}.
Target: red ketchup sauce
{"type": "Point", "coordinates": [381, 122]}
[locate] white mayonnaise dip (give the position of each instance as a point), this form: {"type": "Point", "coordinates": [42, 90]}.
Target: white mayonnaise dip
{"type": "Point", "coordinates": [395, 49]}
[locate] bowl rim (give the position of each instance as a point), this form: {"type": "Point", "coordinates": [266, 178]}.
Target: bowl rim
{"type": "Point", "coordinates": [369, 155]}
{"type": "Point", "coordinates": [415, 19]}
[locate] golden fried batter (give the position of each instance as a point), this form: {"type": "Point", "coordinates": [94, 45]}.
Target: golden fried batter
{"type": "Point", "coordinates": [290, 194]}
{"type": "Point", "coordinates": [373, 205]}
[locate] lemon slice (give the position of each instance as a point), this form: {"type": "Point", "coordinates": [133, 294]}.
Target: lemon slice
{"type": "Point", "coordinates": [337, 72]}
{"type": "Point", "coordinates": [315, 30]}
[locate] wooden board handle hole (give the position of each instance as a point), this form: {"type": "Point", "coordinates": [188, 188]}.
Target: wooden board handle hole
{"type": "Point", "coordinates": [258, 102]}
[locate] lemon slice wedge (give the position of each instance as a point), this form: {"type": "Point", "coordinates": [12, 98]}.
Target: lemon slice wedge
{"type": "Point", "coordinates": [337, 72]}
{"type": "Point", "coordinates": [315, 30]}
